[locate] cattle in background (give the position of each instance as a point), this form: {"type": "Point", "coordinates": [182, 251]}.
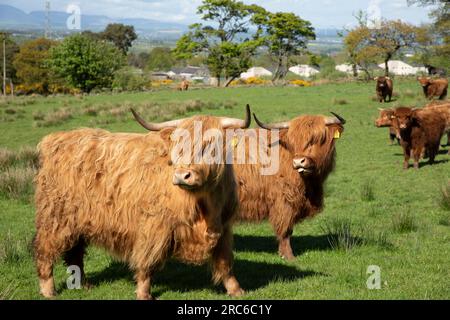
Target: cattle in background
{"type": "Point", "coordinates": [121, 191]}
{"type": "Point", "coordinates": [443, 107]}
{"type": "Point", "coordinates": [420, 131]}
{"type": "Point", "coordinates": [434, 87]}
{"type": "Point", "coordinates": [385, 120]}
{"type": "Point", "coordinates": [433, 71]}
{"type": "Point", "coordinates": [384, 88]}
{"type": "Point", "coordinates": [306, 158]}
{"type": "Point", "coordinates": [184, 86]}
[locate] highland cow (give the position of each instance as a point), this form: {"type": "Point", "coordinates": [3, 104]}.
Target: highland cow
{"type": "Point", "coordinates": [306, 158]}
{"type": "Point", "coordinates": [123, 192]}
{"type": "Point", "coordinates": [443, 107]}
{"type": "Point", "coordinates": [184, 86]}
{"type": "Point", "coordinates": [385, 120]}
{"type": "Point", "coordinates": [420, 132]}
{"type": "Point", "coordinates": [434, 87]}
{"type": "Point", "coordinates": [384, 88]}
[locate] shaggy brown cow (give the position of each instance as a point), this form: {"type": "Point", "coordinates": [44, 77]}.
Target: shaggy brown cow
{"type": "Point", "coordinates": [443, 107]}
{"type": "Point", "coordinates": [385, 120]}
{"type": "Point", "coordinates": [306, 158]}
{"type": "Point", "coordinates": [384, 88]}
{"type": "Point", "coordinates": [420, 131]}
{"type": "Point", "coordinates": [121, 191]}
{"type": "Point", "coordinates": [434, 87]}
{"type": "Point", "coordinates": [184, 85]}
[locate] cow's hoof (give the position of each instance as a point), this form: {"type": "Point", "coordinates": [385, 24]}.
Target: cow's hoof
{"type": "Point", "coordinates": [87, 286]}
{"type": "Point", "coordinates": [46, 288]}
{"type": "Point", "coordinates": [48, 294]}
{"type": "Point", "coordinates": [144, 296]}
{"type": "Point", "coordinates": [288, 257]}
{"type": "Point", "coordinates": [236, 293]}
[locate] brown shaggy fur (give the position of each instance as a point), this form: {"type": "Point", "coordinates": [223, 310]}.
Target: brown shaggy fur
{"type": "Point", "coordinates": [384, 88]}
{"type": "Point", "coordinates": [288, 196]}
{"type": "Point", "coordinates": [385, 120]}
{"type": "Point", "coordinates": [115, 191]}
{"type": "Point", "coordinates": [443, 107]}
{"type": "Point", "coordinates": [420, 131]}
{"type": "Point", "coordinates": [434, 87]}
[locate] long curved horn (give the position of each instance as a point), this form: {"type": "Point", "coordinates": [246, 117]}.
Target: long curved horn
{"type": "Point", "coordinates": [155, 126]}
{"type": "Point", "coordinates": [279, 125]}
{"type": "Point", "coordinates": [238, 123]}
{"type": "Point", "coordinates": [337, 119]}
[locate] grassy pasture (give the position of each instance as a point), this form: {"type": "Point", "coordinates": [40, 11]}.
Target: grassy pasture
{"type": "Point", "coordinates": [376, 213]}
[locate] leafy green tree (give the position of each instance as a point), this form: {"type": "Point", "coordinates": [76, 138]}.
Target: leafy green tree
{"type": "Point", "coordinates": [11, 49]}
{"type": "Point", "coordinates": [366, 45]}
{"type": "Point", "coordinates": [390, 37]}
{"type": "Point", "coordinates": [226, 50]}
{"type": "Point", "coordinates": [86, 63]}
{"type": "Point", "coordinates": [129, 79]}
{"type": "Point", "coordinates": [31, 62]}
{"type": "Point", "coordinates": [160, 59]}
{"type": "Point", "coordinates": [121, 35]}
{"type": "Point", "coordinates": [285, 34]}
{"type": "Point", "coordinates": [359, 53]}
{"type": "Point", "coordinates": [436, 47]}
{"type": "Point", "coordinates": [138, 60]}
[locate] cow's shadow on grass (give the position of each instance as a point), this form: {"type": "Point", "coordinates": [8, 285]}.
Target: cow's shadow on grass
{"type": "Point", "coordinates": [436, 162]}
{"type": "Point", "coordinates": [179, 277]}
{"type": "Point", "coordinates": [269, 244]}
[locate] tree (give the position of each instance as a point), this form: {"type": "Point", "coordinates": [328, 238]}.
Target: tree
{"type": "Point", "coordinates": [11, 49]}
{"type": "Point", "coordinates": [160, 59]}
{"type": "Point", "coordinates": [226, 50]}
{"type": "Point", "coordinates": [86, 63]}
{"type": "Point", "coordinates": [365, 45]}
{"type": "Point", "coordinates": [438, 50]}
{"type": "Point", "coordinates": [31, 62]}
{"type": "Point", "coordinates": [121, 35]}
{"type": "Point", "coordinates": [359, 53]}
{"type": "Point", "coordinates": [390, 37]}
{"type": "Point", "coordinates": [138, 60]}
{"type": "Point", "coordinates": [285, 34]}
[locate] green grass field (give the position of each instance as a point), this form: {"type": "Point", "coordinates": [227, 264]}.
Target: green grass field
{"type": "Point", "coordinates": [376, 213]}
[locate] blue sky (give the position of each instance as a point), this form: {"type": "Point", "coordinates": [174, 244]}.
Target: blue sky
{"type": "Point", "coordinates": [322, 13]}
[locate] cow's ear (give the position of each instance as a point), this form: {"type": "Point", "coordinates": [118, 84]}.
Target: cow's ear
{"type": "Point", "coordinates": [284, 141]}
{"type": "Point", "coordinates": [388, 78]}
{"type": "Point", "coordinates": [165, 134]}
{"type": "Point", "coordinates": [376, 78]}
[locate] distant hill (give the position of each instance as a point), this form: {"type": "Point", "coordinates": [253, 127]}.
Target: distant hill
{"type": "Point", "coordinates": [13, 18]}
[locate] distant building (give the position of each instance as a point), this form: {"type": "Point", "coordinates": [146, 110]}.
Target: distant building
{"type": "Point", "coordinates": [190, 72]}
{"type": "Point", "coordinates": [347, 68]}
{"type": "Point", "coordinates": [160, 76]}
{"type": "Point", "coordinates": [256, 72]}
{"type": "Point", "coordinates": [304, 70]}
{"type": "Point", "coordinates": [401, 68]}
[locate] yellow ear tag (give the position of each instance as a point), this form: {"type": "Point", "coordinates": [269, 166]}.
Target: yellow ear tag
{"type": "Point", "coordinates": [234, 142]}
{"type": "Point", "coordinates": [337, 134]}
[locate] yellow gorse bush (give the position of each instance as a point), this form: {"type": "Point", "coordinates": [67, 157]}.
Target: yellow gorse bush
{"type": "Point", "coordinates": [300, 83]}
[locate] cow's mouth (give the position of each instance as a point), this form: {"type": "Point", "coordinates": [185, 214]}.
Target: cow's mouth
{"type": "Point", "coordinates": [304, 166]}
{"type": "Point", "coordinates": [305, 171]}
